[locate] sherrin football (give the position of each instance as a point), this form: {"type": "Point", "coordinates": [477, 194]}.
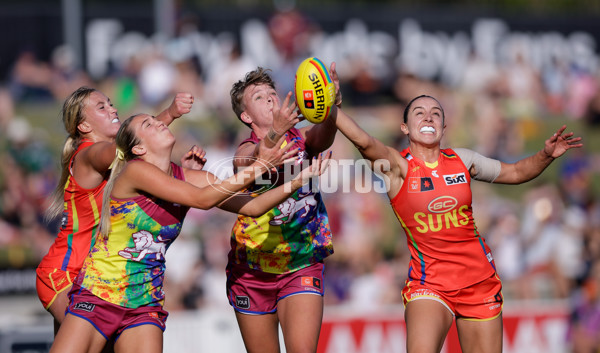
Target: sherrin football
{"type": "Point", "coordinates": [315, 92]}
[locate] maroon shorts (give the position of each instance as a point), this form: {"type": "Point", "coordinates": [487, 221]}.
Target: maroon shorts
{"type": "Point", "coordinates": [480, 302]}
{"type": "Point", "coordinates": [256, 292]}
{"type": "Point", "coordinates": [111, 319]}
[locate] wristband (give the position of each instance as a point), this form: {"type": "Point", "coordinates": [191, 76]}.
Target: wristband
{"type": "Point", "coordinates": [272, 135]}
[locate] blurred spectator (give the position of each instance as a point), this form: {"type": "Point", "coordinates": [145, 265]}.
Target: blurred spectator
{"type": "Point", "coordinates": [480, 76]}
{"type": "Point", "coordinates": [227, 69]}
{"type": "Point", "coordinates": [505, 241]}
{"type": "Point", "coordinates": [551, 235]}
{"type": "Point", "coordinates": [592, 116]}
{"type": "Point", "coordinates": [575, 179]}
{"type": "Point", "coordinates": [66, 77]}
{"type": "Point", "coordinates": [498, 137]}
{"type": "Point", "coordinates": [156, 77]}
{"type": "Point", "coordinates": [523, 88]}
{"type": "Point", "coordinates": [26, 179]}
{"type": "Point", "coordinates": [553, 243]}
{"type": "Point", "coordinates": [584, 330]}
{"type": "Point", "coordinates": [582, 87]}
{"type": "Point", "coordinates": [30, 78]}
{"type": "Point", "coordinates": [555, 80]}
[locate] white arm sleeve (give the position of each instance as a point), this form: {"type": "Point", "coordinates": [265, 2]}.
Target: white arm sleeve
{"type": "Point", "coordinates": [486, 169]}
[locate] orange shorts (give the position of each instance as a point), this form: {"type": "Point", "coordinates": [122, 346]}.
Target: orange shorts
{"type": "Point", "coordinates": [481, 301]}
{"type": "Point", "coordinates": [51, 281]}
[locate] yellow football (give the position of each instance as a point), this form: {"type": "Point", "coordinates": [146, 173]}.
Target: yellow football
{"type": "Point", "coordinates": [315, 92]}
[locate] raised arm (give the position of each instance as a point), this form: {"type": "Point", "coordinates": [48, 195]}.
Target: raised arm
{"type": "Point", "coordinates": [385, 161]}
{"type": "Point", "coordinates": [530, 167]}
{"type": "Point", "coordinates": [145, 177]}
{"type": "Point", "coordinates": [245, 204]}
{"type": "Point", "coordinates": [284, 118]}
{"type": "Point", "coordinates": [93, 162]}
{"type": "Point", "coordinates": [320, 137]}
{"type": "Point", "coordinates": [182, 104]}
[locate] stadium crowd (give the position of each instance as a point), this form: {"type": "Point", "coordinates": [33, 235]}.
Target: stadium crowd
{"type": "Point", "coordinates": [545, 238]}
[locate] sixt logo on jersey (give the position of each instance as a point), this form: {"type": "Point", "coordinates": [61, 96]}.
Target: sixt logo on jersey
{"type": "Point", "coordinates": [454, 179]}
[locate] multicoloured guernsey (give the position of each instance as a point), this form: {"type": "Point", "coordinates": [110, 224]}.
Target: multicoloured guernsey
{"type": "Point", "coordinates": [434, 208]}
{"type": "Point", "coordinates": [79, 223]}
{"type": "Point", "coordinates": [291, 236]}
{"type": "Point", "coordinates": [127, 268]}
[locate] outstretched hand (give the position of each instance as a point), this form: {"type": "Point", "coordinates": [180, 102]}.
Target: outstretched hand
{"type": "Point", "coordinates": [285, 116]}
{"type": "Point", "coordinates": [182, 104]}
{"type": "Point", "coordinates": [195, 158]}
{"type": "Point", "coordinates": [336, 83]}
{"type": "Point", "coordinates": [558, 143]}
{"type": "Point", "coordinates": [317, 167]}
{"type": "Point", "coordinates": [276, 155]}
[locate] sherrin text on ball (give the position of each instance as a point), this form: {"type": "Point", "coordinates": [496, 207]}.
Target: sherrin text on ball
{"type": "Point", "coordinates": [315, 92]}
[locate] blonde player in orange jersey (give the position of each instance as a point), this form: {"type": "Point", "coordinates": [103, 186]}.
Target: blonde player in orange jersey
{"type": "Point", "coordinates": [91, 122]}
{"type": "Point", "coordinates": [452, 274]}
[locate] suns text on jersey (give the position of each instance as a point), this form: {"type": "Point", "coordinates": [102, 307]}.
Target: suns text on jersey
{"type": "Point", "coordinates": [438, 221]}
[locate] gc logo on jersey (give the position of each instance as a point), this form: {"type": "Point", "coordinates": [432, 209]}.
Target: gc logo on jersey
{"type": "Point", "coordinates": [442, 204]}
{"type": "Point", "coordinates": [454, 179]}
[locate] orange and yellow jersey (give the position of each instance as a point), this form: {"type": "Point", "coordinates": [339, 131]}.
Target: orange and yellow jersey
{"type": "Point", "coordinates": [434, 208]}
{"type": "Point", "coordinates": [79, 223]}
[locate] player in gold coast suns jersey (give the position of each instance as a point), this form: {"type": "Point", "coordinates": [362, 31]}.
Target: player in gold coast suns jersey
{"type": "Point", "coordinates": [434, 209]}
{"type": "Point", "coordinates": [451, 274]}
{"type": "Point", "coordinates": [91, 122]}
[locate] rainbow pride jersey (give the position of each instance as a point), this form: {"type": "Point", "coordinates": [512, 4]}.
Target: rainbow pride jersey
{"type": "Point", "coordinates": [291, 236]}
{"type": "Point", "coordinates": [127, 268]}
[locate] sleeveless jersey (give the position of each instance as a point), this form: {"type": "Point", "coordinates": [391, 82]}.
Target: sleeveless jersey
{"type": "Point", "coordinates": [289, 237]}
{"type": "Point", "coordinates": [434, 208]}
{"type": "Point", "coordinates": [127, 268]}
{"type": "Point", "coordinates": [79, 223]}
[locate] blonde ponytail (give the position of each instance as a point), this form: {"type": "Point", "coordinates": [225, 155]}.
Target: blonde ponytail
{"type": "Point", "coordinates": [72, 116]}
{"type": "Point", "coordinates": [125, 141]}
{"type": "Point", "coordinates": [116, 167]}
{"type": "Point", "coordinates": [57, 204]}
